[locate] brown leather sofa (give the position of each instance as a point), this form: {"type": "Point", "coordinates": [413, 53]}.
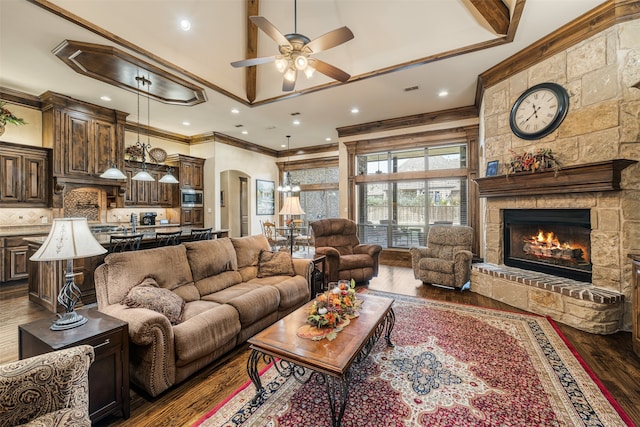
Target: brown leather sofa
{"type": "Point", "coordinates": [347, 259]}
{"type": "Point", "coordinates": [225, 303]}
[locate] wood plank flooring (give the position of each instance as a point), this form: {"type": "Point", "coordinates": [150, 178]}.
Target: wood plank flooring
{"type": "Point", "coordinates": [609, 356]}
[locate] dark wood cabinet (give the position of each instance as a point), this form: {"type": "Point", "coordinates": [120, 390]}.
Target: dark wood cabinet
{"type": "Point", "coordinates": [14, 259]}
{"type": "Point", "coordinates": [192, 216]}
{"type": "Point", "coordinates": [85, 140]}
{"type": "Point", "coordinates": [108, 374]}
{"type": "Point", "coordinates": [23, 175]}
{"type": "Point", "coordinates": [147, 193]}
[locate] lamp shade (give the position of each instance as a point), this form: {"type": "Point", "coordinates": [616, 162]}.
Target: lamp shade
{"type": "Point", "coordinates": [113, 173]}
{"type": "Point", "coordinates": [292, 206]}
{"type": "Point", "coordinates": [69, 238]}
{"type": "Point", "coordinates": [143, 175]}
{"type": "Point", "coordinates": [168, 178]}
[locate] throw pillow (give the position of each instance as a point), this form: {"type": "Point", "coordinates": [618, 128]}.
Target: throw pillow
{"type": "Point", "coordinates": [275, 264]}
{"type": "Point", "coordinates": [148, 295]}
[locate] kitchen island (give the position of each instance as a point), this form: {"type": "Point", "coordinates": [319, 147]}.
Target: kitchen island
{"type": "Point", "coordinates": [46, 278]}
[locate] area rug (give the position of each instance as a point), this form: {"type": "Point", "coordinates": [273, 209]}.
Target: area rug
{"type": "Point", "coordinates": [452, 365]}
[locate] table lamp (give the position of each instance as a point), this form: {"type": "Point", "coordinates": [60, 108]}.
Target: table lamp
{"type": "Point", "coordinates": [69, 239]}
{"type": "Point", "coordinates": [291, 207]}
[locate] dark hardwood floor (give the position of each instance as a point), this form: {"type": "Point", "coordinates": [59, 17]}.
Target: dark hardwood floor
{"type": "Point", "coordinates": [610, 357]}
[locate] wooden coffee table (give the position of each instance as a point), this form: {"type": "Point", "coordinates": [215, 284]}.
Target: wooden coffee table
{"type": "Point", "coordinates": [330, 360]}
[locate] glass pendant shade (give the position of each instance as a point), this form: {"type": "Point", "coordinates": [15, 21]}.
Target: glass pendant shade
{"type": "Point", "coordinates": [143, 175]}
{"type": "Point", "coordinates": [113, 173]}
{"type": "Point", "coordinates": [168, 179]}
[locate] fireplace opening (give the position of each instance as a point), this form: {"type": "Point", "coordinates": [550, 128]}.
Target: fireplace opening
{"type": "Point", "coordinates": [553, 241]}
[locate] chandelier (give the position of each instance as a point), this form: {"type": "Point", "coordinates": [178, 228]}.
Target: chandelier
{"type": "Point", "coordinates": [143, 174]}
{"type": "Point", "coordinates": [287, 186]}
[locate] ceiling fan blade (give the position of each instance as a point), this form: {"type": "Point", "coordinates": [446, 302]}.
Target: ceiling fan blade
{"type": "Point", "coordinates": [253, 61]}
{"type": "Point", "coordinates": [270, 30]}
{"type": "Point", "coordinates": [329, 70]}
{"type": "Point", "coordinates": [329, 40]}
{"type": "Point", "coordinates": [287, 86]}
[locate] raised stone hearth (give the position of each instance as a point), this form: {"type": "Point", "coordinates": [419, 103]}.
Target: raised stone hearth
{"type": "Point", "coordinates": [577, 304]}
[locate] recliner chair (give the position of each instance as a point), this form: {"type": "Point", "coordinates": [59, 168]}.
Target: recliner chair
{"type": "Point", "coordinates": [346, 258]}
{"type": "Point", "coordinates": [446, 260]}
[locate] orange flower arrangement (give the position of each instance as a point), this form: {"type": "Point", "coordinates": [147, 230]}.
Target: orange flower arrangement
{"type": "Point", "coordinates": [334, 306]}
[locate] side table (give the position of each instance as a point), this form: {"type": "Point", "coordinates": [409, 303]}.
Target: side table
{"type": "Point", "coordinates": [318, 275]}
{"type": "Point", "coordinates": [108, 374]}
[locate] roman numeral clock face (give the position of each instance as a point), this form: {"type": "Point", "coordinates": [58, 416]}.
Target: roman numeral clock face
{"type": "Point", "coordinates": [539, 111]}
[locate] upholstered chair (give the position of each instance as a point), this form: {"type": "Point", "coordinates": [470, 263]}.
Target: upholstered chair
{"type": "Point", "coordinates": [446, 260]}
{"type": "Point", "coordinates": [346, 258]}
{"type": "Point", "coordinates": [50, 390]}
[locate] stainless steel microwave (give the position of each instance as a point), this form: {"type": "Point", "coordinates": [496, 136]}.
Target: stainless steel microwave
{"type": "Point", "coordinates": [191, 198]}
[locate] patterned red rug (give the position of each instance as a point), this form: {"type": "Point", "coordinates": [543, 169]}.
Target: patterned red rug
{"type": "Point", "coordinates": [452, 365]}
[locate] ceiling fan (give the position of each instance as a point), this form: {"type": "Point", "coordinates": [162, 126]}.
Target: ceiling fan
{"type": "Point", "coordinates": [296, 50]}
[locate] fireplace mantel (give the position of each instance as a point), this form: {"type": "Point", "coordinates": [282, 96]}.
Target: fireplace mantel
{"type": "Point", "coordinates": [600, 176]}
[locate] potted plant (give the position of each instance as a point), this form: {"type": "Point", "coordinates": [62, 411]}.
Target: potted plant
{"type": "Point", "coordinates": [7, 116]}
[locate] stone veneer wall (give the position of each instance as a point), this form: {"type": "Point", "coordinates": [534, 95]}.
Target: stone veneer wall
{"type": "Point", "coordinates": [603, 123]}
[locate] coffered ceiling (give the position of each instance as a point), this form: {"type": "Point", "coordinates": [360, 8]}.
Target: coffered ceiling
{"type": "Point", "coordinates": [404, 53]}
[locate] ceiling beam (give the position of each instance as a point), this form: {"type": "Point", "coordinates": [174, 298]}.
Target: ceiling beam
{"type": "Point", "coordinates": [495, 12]}
{"type": "Point", "coordinates": [253, 9]}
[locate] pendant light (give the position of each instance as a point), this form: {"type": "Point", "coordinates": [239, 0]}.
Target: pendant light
{"type": "Point", "coordinates": [143, 175]}
{"type": "Point", "coordinates": [287, 186]}
{"type": "Point", "coordinates": [168, 178]}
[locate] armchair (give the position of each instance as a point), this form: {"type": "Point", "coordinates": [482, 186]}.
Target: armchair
{"type": "Point", "coordinates": [446, 260]}
{"type": "Point", "coordinates": [346, 258]}
{"type": "Point", "coordinates": [51, 389]}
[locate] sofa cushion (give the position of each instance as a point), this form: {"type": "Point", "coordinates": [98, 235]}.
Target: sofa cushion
{"type": "Point", "coordinates": [348, 262]}
{"type": "Point", "coordinates": [293, 290]}
{"type": "Point", "coordinates": [275, 264]}
{"type": "Point", "coordinates": [248, 249]}
{"type": "Point", "coordinates": [148, 295]}
{"type": "Point", "coordinates": [212, 284]}
{"type": "Point", "coordinates": [252, 301]}
{"type": "Point", "coordinates": [210, 257]}
{"type": "Point", "coordinates": [437, 264]}
{"type": "Point", "coordinates": [205, 332]}
{"type": "Point", "coordinates": [168, 266]}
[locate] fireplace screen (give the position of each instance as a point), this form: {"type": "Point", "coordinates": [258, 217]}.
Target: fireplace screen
{"type": "Point", "coordinates": [555, 241]}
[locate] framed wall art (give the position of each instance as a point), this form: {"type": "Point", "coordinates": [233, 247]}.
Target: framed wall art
{"type": "Point", "coordinates": [265, 197]}
{"type": "Point", "coordinates": [492, 168]}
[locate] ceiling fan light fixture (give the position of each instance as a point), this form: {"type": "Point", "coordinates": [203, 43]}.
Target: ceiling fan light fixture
{"type": "Point", "coordinates": [282, 64]}
{"type": "Point", "coordinates": [309, 71]}
{"type": "Point", "coordinates": [290, 75]}
{"type": "Point", "coordinates": [300, 62]}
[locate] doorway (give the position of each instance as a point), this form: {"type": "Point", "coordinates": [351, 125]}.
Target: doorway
{"type": "Point", "coordinates": [234, 212]}
{"type": "Point", "coordinates": [244, 206]}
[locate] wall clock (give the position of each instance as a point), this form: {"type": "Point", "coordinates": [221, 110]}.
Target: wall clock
{"type": "Point", "coordinates": [539, 111]}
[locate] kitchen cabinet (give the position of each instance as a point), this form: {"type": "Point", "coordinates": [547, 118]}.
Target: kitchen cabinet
{"type": "Point", "coordinates": [192, 216]}
{"type": "Point", "coordinates": [191, 176]}
{"type": "Point", "coordinates": [86, 140]}
{"type": "Point", "coordinates": [14, 259]}
{"type": "Point", "coordinates": [24, 175]}
{"type": "Point", "coordinates": [147, 193]}
{"type": "Point", "coordinates": [190, 170]}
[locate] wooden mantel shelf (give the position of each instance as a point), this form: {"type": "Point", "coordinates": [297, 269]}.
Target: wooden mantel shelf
{"type": "Point", "coordinates": [600, 176]}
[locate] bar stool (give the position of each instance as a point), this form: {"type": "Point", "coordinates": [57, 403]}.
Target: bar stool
{"type": "Point", "coordinates": [201, 234]}
{"type": "Point", "coordinates": [125, 243]}
{"type": "Point", "coordinates": [168, 238]}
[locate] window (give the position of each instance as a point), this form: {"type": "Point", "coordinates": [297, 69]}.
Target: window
{"type": "Point", "coordinates": [425, 187]}
{"type": "Point", "coordinates": [319, 191]}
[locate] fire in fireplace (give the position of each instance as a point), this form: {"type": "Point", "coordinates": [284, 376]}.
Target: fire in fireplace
{"type": "Point", "coordinates": [554, 241]}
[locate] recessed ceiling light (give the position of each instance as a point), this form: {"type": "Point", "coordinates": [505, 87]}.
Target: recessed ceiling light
{"type": "Point", "coordinates": [185, 25]}
{"type": "Point", "coordinates": [186, 123]}
{"type": "Point", "coordinates": [283, 145]}
{"type": "Point", "coordinates": [443, 93]}
{"type": "Point", "coordinates": [327, 139]}
{"type": "Point", "coordinates": [296, 122]}
{"type": "Point", "coordinates": [105, 98]}
{"type": "Point", "coordinates": [355, 110]}
{"type": "Point", "coordinates": [244, 132]}
{"type": "Point", "coordinates": [235, 111]}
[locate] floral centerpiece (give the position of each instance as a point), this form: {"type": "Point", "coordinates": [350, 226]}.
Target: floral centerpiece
{"type": "Point", "coordinates": [542, 159]}
{"type": "Point", "coordinates": [331, 311]}
{"type": "Point", "coordinates": [7, 117]}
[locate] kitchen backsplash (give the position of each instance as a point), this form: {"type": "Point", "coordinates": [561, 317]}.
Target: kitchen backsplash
{"type": "Point", "coordinates": [31, 216]}
{"type": "Point", "coordinates": [40, 216]}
